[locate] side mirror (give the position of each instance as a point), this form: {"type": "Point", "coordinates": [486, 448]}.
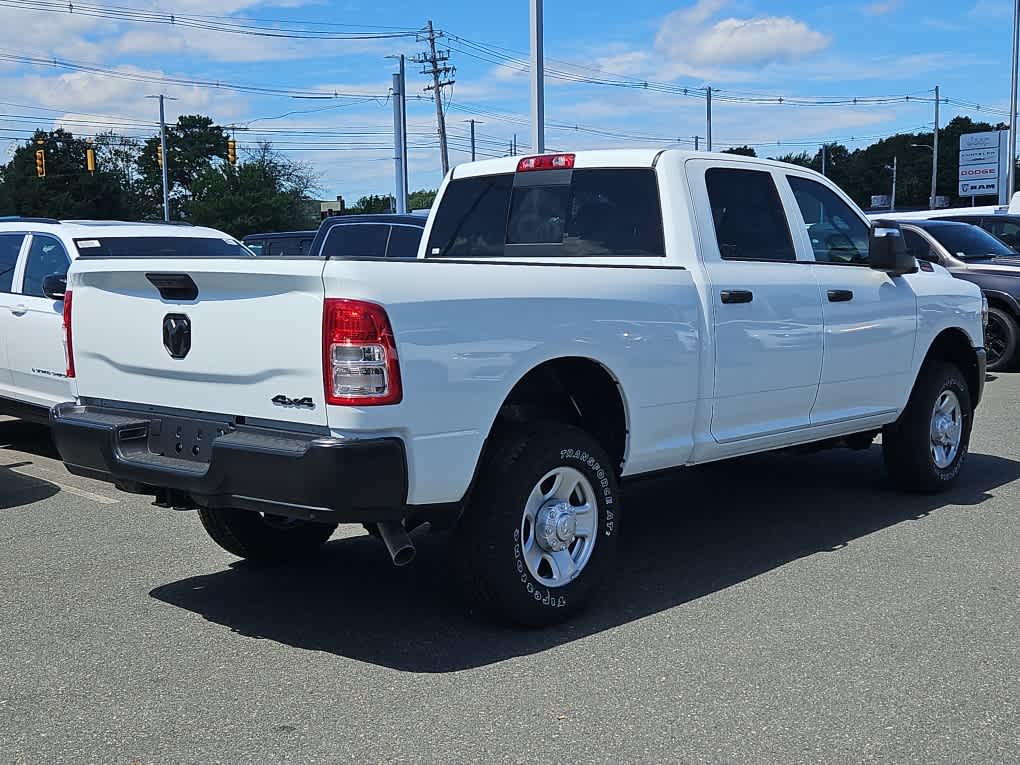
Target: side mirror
{"type": "Point", "coordinates": [887, 249]}
{"type": "Point", "coordinates": [54, 286]}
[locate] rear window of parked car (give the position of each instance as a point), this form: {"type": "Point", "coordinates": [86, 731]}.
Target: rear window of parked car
{"type": "Point", "coordinates": [583, 213]}
{"type": "Point", "coordinates": [161, 247]}
{"type": "Point", "coordinates": [372, 240]}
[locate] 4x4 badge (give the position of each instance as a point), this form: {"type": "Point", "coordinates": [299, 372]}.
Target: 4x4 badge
{"type": "Point", "coordinates": [177, 335]}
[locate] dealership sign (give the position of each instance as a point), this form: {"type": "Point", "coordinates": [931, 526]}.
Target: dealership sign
{"type": "Point", "coordinates": [983, 163]}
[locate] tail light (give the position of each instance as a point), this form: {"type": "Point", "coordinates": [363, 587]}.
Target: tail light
{"type": "Point", "coordinates": [359, 356]}
{"type": "Point", "coordinates": [68, 344]}
{"type": "Point", "coordinates": [546, 162]}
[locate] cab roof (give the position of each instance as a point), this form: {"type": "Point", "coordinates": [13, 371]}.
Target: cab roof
{"type": "Point", "coordinates": [76, 229]}
{"type": "Point", "coordinates": [608, 158]}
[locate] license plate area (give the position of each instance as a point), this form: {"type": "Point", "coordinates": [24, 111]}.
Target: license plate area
{"type": "Point", "coordinates": [185, 438]}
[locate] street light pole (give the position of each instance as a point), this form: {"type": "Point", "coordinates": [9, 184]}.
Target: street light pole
{"type": "Point", "coordinates": [162, 151]}
{"type": "Point", "coordinates": [1011, 169]}
{"type": "Point", "coordinates": [935, 152]}
{"type": "Point", "coordinates": [537, 79]}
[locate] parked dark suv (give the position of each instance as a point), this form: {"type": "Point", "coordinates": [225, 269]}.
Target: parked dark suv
{"type": "Point", "coordinates": [1005, 227]}
{"type": "Point", "coordinates": [369, 236]}
{"type": "Point", "coordinates": [288, 243]}
{"type": "Point", "coordinates": [973, 254]}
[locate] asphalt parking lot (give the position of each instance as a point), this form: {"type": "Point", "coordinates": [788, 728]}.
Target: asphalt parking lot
{"type": "Point", "coordinates": [775, 609]}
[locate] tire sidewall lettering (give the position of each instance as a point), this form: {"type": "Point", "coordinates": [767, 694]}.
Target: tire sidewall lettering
{"type": "Point", "coordinates": [593, 469]}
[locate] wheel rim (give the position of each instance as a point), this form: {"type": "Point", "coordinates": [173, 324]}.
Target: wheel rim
{"type": "Point", "coordinates": [946, 429]}
{"type": "Point", "coordinates": [996, 338]}
{"type": "Point", "coordinates": [559, 527]}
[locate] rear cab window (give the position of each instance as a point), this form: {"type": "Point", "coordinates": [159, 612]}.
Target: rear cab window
{"type": "Point", "coordinates": [160, 247]}
{"type": "Point", "coordinates": [593, 212]}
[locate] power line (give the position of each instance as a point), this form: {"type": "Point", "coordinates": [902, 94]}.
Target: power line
{"type": "Point", "coordinates": [18, 58]}
{"type": "Point", "coordinates": [226, 24]}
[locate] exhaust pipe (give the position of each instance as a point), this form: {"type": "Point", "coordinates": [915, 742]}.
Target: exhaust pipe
{"type": "Point", "coordinates": [397, 542]}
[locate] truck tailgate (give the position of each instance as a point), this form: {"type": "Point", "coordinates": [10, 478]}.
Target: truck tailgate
{"type": "Point", "coordinates": [253, 346]}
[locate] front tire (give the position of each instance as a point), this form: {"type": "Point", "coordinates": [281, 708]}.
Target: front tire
{"type": "Point", "coordinates": [263, 538]}
{"type": "Point", "coordinates": [542, 529]}
{"type": "Point", "coordinates": [925, 449]}
{"type": "Point", "coordinates": [1001, 337]}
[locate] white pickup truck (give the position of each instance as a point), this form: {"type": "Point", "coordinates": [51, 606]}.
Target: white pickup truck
{"type": "Point", "coordinates": [570, 320]}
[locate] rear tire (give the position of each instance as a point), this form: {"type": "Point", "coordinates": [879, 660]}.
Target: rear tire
{"type": "Point", "coordinates": [925, 449]}
{"type": "Point", "coordinates": [542, 529]}
{"type": "Point", "coordinates": [264, 538]}
{"type": "Point", "coordinates": [1001, 337]}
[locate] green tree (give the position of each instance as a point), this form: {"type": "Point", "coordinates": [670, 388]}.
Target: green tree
{"type": "Point", "coordinates": [801, 158]}
{"type": "Point", "coordinates": [372, 204]}
{"type": "Point", "coordinates": [194, 145]}
{"type": "Point", "coordinates": [421, 199]}
{"type": "Point", "coordinates": [743, 151]}
{"type": "Point", "coordinates": [68, 190]}
{"type": "Point", "coordinates": [266, 192]}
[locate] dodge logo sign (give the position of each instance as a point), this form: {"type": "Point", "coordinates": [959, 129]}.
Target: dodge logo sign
{"type": "Point", "coordinates": [177, 334]}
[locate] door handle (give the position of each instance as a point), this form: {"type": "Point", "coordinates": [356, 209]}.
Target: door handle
{"type": "Point", "coordinates": [840, 296]}
{"type": "Point", "coordinates": [736, 296]}
{"type": "Point", "coordinates": [19, 310]}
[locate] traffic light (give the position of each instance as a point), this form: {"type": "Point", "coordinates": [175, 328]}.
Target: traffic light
{"type": "Point", "coordinates": [90, 159]}
{"type": "Point", "coordinates": [159, 154]}
{"type": "Point", "coordinates": [232, 151]}
{"type": "Point", "coordinates": [40, 163]}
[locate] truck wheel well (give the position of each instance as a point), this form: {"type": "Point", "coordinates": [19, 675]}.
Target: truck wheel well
{"type": "Point", "coordinates": [954, 346]}
{"type": "Point", "coordinates": [997, 302]}
{"type": "Point", "coordinates": [575, 391]}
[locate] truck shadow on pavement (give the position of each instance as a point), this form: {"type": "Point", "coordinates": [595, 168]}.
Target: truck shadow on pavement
{"type": "Point", "coordinates": [685, 536]}
{"type": "Point", "coordinates": [18, 489]}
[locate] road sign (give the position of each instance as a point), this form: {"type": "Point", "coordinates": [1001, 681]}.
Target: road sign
{"type": "Point", "coordinates": [983, 164]}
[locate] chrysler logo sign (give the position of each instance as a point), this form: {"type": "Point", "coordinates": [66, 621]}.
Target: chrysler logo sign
{"type": "Point", "coordinates": [177, 335]}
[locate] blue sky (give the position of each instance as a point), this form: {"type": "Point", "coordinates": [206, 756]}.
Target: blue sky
{"type": "Point", "coordinates": [748, 50]}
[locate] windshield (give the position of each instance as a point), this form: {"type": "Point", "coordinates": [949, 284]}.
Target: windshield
{"type": "Point", "coordinates": [161, 247]}
{"type": "Point", "coordinates": [970, 242]}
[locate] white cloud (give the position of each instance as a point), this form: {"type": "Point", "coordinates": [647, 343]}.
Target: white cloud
{"type": "Point", "coordinates": [732, 41]}
{"type": "Point", "coordinates": [882, 7]}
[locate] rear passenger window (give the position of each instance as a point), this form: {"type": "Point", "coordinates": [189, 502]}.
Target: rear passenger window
{"type": "Point", "coordinates": [404, 241]}
{"type": "Point", "coordinates": [357, 240]}
{"type": "Point", "coordinates": [750, 223]}
{"type": "Point", "coordinates": [471, 220]}
{"type": "Point", "coordinates": [10, 247]}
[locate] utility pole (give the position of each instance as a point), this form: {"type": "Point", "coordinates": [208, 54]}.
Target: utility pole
{"type": "Point", "coordinates": [515, 145]}
{"type": "Point", "coordinates": [1011, 165]}
{"type": "Point", "coordinates": [434, 63]}
{"type": "Point", "coordinates": [708, 109]}
{"type": "Point", "coordinates": [537, 79]}
{"type": "Point", "coordinates": [403, 126]}
{"type": "Point", "coordinates": [892, 197]}
{"type": "Point", "coordinates": [163, 154]}
{"type": "Point", "coordinates": [935, 153]}
{"type": "Point", "coordinates": [472, 139]}
{"type": "Point", "coordinates": [398, 147]}
{"type": "Point", "coordinates": [696, 139]}
{"type": "Point", "coordinates": [823, 159]}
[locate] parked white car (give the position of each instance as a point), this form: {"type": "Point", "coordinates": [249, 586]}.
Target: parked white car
{"type": "Point", "coordinates": [571, 320]}
{"type": "Point", "coordinates": [34, 257]}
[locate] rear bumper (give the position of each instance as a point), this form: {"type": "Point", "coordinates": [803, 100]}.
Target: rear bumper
{"type": "Point", "coordinates": [298, 475]}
